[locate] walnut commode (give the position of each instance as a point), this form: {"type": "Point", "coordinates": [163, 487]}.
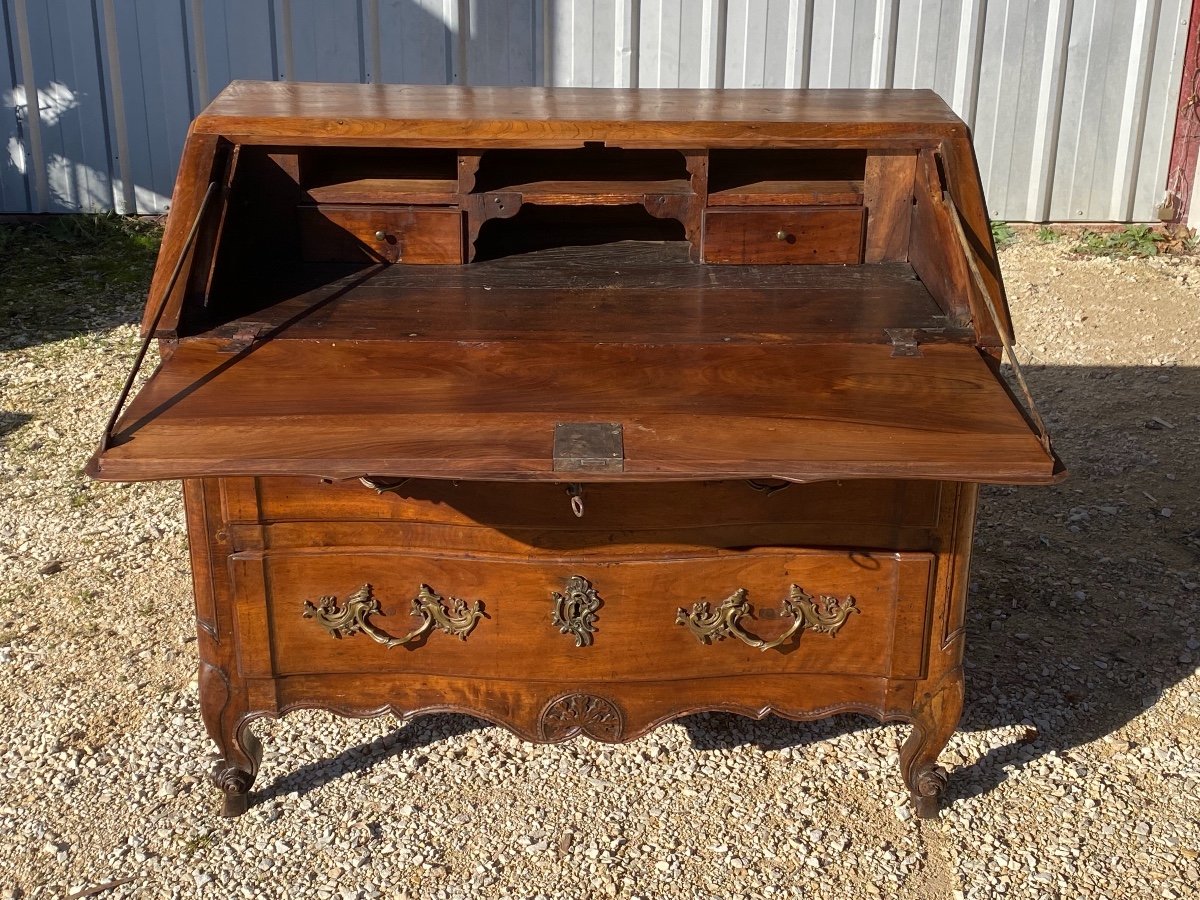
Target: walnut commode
{"type": "Point", "coordinates": [578, 410]}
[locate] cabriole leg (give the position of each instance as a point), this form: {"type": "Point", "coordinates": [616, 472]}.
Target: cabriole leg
{"type": "Point", "coordinates": [934, 720]}
{"type": "Point", "coordinates": [240, 750]}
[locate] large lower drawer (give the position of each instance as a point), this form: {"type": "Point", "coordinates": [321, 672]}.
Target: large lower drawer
{"type": "Point", "coordinates": [618, 619]}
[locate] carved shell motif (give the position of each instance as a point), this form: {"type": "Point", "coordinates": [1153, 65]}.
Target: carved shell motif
{"type": "Point", "coordinates": [574, 714]}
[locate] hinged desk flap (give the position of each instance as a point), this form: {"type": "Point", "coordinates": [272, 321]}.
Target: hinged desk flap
{"type": "Point", "coordinates": [489, 411]}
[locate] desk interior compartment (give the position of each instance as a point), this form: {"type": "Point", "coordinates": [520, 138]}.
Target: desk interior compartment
{"type": "Point", "coordinates": [786, 177]}
{"type": "Point", "coordinates": [378, 175]}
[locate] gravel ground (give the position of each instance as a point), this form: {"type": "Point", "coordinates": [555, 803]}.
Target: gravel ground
{"type": "Point", "coordinates": [1076, 772]}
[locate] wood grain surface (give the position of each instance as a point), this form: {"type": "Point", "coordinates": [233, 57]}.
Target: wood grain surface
{"type": "Point", "coordinates": [285, 380]}
{"type": "Point", "coordinates": [598, 295]}
{"type": "Point", "coordinates": [431, 115]}
{"type": "Point", "coordinates": [488, 411]}
{"type": "Point", "coordinates": [815, 235]}
{"type": "Point", "coordinates": [637, 637]}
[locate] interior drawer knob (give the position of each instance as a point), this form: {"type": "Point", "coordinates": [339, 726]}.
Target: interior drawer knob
{"type": "Point", "coordinates": [381, 235]}
{"type": "Point", "coordinates": [785, 236]}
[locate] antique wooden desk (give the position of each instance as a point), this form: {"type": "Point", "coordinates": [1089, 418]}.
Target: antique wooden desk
{"type": "Point", "coordinates": [578, 410]}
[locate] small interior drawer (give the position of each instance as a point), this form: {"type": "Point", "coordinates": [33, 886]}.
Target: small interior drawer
{"type": "Point", "coordinates": [828, 235]}
{"type": "Point", "coordinates": [393, 234]}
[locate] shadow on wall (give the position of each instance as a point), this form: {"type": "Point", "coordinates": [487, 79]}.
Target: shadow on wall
{"type": "Point", "coordinates": [36, 173]}
{"type": "Point", "coordinates": [94, 137]}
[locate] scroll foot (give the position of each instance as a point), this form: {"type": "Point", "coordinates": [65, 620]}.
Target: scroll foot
{"type": "Point", "coordinates": [927, 796]}
{"type": "Point", "coordinates": [934, 720]}
{"type": "Point", "coordinates": [236, 785]}
{"type": "Point", "coordinates": [235, 781]}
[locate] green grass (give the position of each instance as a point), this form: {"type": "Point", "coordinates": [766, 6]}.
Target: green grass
{"type": "Point", "coordinates": [1047, 235]}
{"type": "Point", "coordinates": [68, 275]}
{"type": "Point", "coordinates": [1133, 240]}
{"type": "Point", "coordinates": [1003, 234]}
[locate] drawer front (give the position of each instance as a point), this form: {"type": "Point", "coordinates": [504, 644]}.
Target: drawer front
{"type": "Point", "coordinates": [606, 506]}
{"type": "Point", "coordinates": [659, 518]}
{"type": "Point", "coordinates": [618, 619]}
{"type": "Point", "coordinates": [827, 235]}
{"type": "Point", "coordinates": [394, 234]}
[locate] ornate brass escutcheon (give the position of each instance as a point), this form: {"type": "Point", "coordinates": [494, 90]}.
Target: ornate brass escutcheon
{"type": "Point", "coordinates": [353, 616]}
{"type": "Point", "coordinates": [575, 611]}
{"type": "Point", "coordinates": [708, 625]}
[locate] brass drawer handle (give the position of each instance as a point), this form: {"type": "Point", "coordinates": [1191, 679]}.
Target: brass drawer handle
{"type": "Point", "coordinates": [708, 625]}
{"type": "Point", "coordinates": [352, 617]}
{"type": "Point", "coordinates": [575, 611]}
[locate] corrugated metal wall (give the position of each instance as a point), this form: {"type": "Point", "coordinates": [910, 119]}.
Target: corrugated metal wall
{"type": "Point", "coordinates": [1072, 101]}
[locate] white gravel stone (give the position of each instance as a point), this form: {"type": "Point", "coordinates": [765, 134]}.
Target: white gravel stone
{"type": "Point", "coordinates": [1070, 778]}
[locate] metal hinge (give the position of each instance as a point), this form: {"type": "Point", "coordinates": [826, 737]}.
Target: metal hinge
{"type": "Point", "coordinates": [589, 447]}
{"type": "Point", "coordinates": [242, 339]}
{"type": "Point", "coordinates": [904, 341]}
{"type": "Point", "coordinates": [907, 341]}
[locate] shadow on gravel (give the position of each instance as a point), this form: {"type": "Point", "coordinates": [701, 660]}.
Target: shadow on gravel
{"type": "Point", "coordinates": [427, 731]}
{"type": "Point", "coordinates": [1084, 596]}
{"type": "Point", "coordinates": [1083, 605]}
{"type": "Point", "coordinates": [65, 276]}
{"type": "Point", "coordinates": [10, 422]}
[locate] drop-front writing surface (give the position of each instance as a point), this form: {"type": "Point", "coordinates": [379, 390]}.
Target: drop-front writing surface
{"type": "Point", "coordinates": [578, 410]}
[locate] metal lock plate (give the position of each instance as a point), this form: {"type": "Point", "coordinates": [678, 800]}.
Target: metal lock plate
{"type": "Point", "coordinates": [589, 447]}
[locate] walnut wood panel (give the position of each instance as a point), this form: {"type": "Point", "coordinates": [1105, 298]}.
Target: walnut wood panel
{"type": "Point", "coordinates": [593, 193]}
{"type": "Point", "coordinates": [934, 250]}
{"type": "Point", "coordinates": [812, 235]}
{"type": "Point", "coordinates": [523, 708]}
{"type": "Point", "coordinates": [488, 411]}
{"type": "Point", "coordinates": [963, 185]}
{"type": "Point", "coordinates": [430, 191]}
{"type": "Point", "coordinates": [645, 520]}
{"type": "Point", "coordinates": [861, 310]}
{"type": "Point", "coordinates": [690, 505]}
{"type": "Point", "coordinates": [446, 383]}
{"type": "Point", "coordinates": [198, 167]}
{"type": "Point", "coordinates": [390, 234]}
{"type": "Point", "coordinates": [637, 637]}
{"type": "Point", "coordinates": [888, 187]}
{"type": "Point", "coordinates": [591, 542]}
{"type": "Point", "coordinates": [479, 117]}
{"type": "Point", "coordinates": [632, 294]}
{"type": "Point", "coordinates": [790, 193]}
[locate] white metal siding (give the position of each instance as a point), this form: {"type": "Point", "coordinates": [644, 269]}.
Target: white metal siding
{"type": "Point", "coordinates": [1072, 101]}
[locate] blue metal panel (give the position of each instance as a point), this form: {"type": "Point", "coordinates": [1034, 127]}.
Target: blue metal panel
{"type": "Point", "coordinates": [75, 156]}
{"type": "Point", "coordinates": [156, 85]}
{"type": "Point", "coordinates": [239, 41]}
{"type": "Point", "coordinates": [327, 39]}
{"type": "Point", "coordinates": [504, 42]}
{"type": "Point", "coordinates": [754, 56]}
{"type": "Point", "coordinates": [670, 46]}
{"type": "Point", "coordinates": [14, 185]}
{"type": "Point", "coordinates": [414, 43]}
{"type": "Point", "coordinates": [1072, 101]}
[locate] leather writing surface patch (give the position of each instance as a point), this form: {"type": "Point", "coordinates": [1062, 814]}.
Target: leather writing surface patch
{"type": "Point", "coordinates": [589, 447]}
